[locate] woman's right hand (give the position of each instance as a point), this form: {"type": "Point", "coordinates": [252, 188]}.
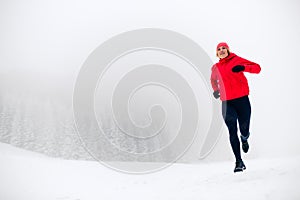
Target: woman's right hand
{"type": "Point", "coordinates": [216, 94]}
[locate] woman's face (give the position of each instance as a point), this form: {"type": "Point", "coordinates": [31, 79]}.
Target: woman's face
{"type": "Point", "coordinates": [222, 52]}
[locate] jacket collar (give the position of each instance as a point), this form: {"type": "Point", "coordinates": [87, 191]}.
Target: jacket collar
{"type": "Point", "coordinates": [231, 55]}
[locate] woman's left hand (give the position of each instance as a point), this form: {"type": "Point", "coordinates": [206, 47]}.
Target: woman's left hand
{"type": "Point", "coordinates": [238, 68]}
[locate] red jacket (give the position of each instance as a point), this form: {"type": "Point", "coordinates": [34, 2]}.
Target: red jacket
{"type": "Point", "coordinates": [232, 85]}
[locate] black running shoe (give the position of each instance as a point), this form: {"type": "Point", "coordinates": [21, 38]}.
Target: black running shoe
{"type": "Point", "coordinates": [245, 146]}
{"type": "Point", "coordinates": [239, 166]}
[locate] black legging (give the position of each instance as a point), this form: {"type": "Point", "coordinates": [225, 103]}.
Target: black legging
{"type": "Point", "coordinates": [237, 110]}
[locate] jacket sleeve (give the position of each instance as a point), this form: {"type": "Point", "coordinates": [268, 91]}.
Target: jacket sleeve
{"type": "Point", "coordinates": [214, 78]}
{"type": "Point", "coordinates": [250, 66]}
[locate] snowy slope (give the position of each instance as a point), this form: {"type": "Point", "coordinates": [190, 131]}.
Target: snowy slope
{"type": "Point", "coordinates": [31, 176]}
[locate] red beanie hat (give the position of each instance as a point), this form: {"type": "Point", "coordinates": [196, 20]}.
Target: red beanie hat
{"type": "Point", "coordinates": [222, 44]}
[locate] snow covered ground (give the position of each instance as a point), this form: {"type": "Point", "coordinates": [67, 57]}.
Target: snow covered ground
{"type": "Point", "coordinates": [27, 175]}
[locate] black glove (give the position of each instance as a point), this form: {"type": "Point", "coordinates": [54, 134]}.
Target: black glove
{"type": "Point", "coordinates": [216, 94]}
{"type": "Point", "coordinates": [238, 68]}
